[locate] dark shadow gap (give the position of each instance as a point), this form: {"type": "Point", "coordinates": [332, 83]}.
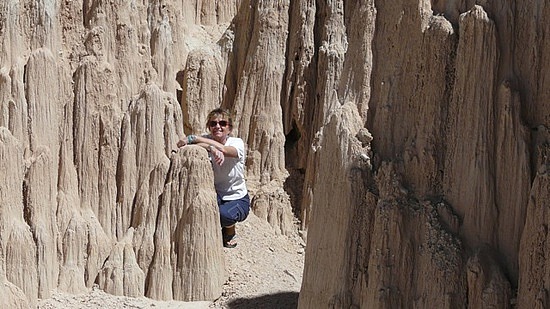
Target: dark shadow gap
{"type": "Point", "coordinates": [270, 301]}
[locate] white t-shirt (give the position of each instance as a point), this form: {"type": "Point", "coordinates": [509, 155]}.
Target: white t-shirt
{"type": "Point", "coordinates": [229, 177]}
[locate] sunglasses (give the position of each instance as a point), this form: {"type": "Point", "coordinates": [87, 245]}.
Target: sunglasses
{"type": "Point", "coordinates": [222, 123]}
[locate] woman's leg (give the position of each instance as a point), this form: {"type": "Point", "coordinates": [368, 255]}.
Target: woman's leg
{"type": "Point", "coordinates": [232, 212]}
{"type": "Point", "coordinates": [235, 211]}
{"type": "Point", "coordinates": [229, 236]}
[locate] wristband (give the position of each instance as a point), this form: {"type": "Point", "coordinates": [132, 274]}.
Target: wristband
{"type": "Point", "coordinates": [191, 139]}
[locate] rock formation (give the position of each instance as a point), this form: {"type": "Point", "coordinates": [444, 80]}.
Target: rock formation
{"type": "Point", "coordinates": [408, 138]}
{"type": "Point", "coordinates": [442, 216]}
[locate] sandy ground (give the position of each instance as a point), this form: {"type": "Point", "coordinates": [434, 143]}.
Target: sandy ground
{"type": "Point", "coordinates": [264, 271]}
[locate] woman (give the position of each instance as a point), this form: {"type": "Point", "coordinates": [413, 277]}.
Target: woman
{"type": "Point", "coordinates": [228, 157]}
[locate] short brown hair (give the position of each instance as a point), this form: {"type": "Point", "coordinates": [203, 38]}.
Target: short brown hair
{"type": "Point", "coordinates": [220, 112]}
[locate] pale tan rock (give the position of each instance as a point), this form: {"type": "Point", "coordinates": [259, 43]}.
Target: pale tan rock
{"type": "Point", "coordinates": [210, 12]}
{"type": "Point", "coordinates": [188, 263]}
{"type": "Point", "coordinates": [14, 103]}
{"type": "Point", "coordinates": [202, 88]}
{"type": "Point", "coordinates": [298, 90]}
{"type": "Point", "coordinates": [330, 222]}
{"type": "Point", "coordinates": [95, 131]}
{"type": "Point", "coordinates": [121, 275]}
{"type": "Point", "coordinates": [149, 133]}
{"type": "Point", "coordinates": [40, 207]}
{"type": "Point", "coordinates": [255, 76]}
{"type": "Point", "coordinates": [82, 243]}
{"type": "Point", "coordinates": [272, 204]}
{"type": "Point", "coordinates": [330, 58]}
{"type": "Point", "coordinates": [97, 119]}
{"type": "Point", "coordinates": [6, 102]}
{"type": "Point", "coordinates": [43, 101]}
{"type": "Point", "coordinates": [407, 102]}
{"type": "Point", "coordinates": [12, 296]}
{"type": "Point", "coordinates": [74, 236]}
{"type": "Point", "coordinates": [18, 257]}
{"type": "Point", "coordinates": [40, 197]}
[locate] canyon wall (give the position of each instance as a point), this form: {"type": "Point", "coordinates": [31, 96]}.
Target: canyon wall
{"type": "Point", "coordinates": [408, 138]}
{"type": "Point", "coordinates": [450, 211]}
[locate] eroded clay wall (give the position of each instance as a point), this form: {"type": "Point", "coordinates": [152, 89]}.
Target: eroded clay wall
{"type": "Point", "coordinates": [409, 138]}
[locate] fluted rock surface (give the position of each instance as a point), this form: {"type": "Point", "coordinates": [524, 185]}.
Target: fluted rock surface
{"type": "Point", "coordinates": [409, 138]}
{"type": "Point", "coordinates": [19, 268]}
{"type": "Point", "coordinates": [91, 191]}
{"type": "Point", "coordinates": [188, 261]}
{"type": "Point", "coordinates": [439, 217]}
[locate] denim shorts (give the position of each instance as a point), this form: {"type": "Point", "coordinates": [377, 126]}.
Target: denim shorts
{"type": "Point", "coordinates": [235, 211]}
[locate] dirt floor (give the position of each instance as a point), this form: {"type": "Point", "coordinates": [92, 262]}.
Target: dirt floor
{"type": "Point", "coordinates": [264, 271]}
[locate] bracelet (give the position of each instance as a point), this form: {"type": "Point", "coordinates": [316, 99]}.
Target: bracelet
{"type": "Point", "coordinates": [191, 139]}
{"type": "Point", "coordinates": [210, 148]}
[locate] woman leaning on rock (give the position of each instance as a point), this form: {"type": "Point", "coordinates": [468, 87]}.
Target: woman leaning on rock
{"type": "Point", "coordinates": [228, 155]}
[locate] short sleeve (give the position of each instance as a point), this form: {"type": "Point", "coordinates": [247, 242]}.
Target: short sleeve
{"type": "Point", "coordinates": [239, 145]}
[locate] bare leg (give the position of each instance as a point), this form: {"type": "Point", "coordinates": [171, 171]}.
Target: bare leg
{"type": "Point", "coordinates": [229, 237]}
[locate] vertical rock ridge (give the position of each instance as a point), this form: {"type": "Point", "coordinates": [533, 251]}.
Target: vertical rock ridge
{"type": "Point", "coordinates": [96, 123]}
{"type": "Point", "coordinates": [40, 205]}
{"type": "Point", "coordinates": [471, 128]}
{"type": "Point", "coordinates": [19, 262]}
{"type": "Point", "coordinates": [188, 262]}
{"type": "Point", "coordinates": [120, 274]}
{"type": "Point", "coordinates": [533, 266]}
{"type": "Point", "coordinates": [330, 49]}
{"type": "Point", "coordinates": [513, 175]}
{"type": "Point", "coordinates": [203, 71]}
{"type": "Point", "coordinates": [329, 229]}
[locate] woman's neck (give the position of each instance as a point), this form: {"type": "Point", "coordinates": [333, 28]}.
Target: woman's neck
{"type": "Point", "coordinates": [222, 140]}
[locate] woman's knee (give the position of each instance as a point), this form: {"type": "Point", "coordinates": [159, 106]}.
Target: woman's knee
{"type": "Point", "coordinates": [234, 211]}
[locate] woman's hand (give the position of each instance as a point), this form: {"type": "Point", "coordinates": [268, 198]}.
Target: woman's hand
{"type": "Point", "coordinates": [181, 142]}
{"type": "Point", "coordinates": [217, 155]}
{"type": "Point", "coordinates": [190, 139]}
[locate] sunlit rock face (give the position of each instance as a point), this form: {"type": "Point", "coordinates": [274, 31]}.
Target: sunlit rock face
{"type": "Point", "coordinates": [407, 140]}
{"type": "Point", "coordinates": [449, 211]}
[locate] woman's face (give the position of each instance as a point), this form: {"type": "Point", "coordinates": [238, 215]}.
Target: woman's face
{"type": "Point", "coordinates": [219, 128]}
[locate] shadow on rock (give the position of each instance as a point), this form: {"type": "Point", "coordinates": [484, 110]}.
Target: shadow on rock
{"type": "Point", "coordinates": [271, 301]}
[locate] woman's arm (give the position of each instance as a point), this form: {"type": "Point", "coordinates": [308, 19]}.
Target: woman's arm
{"type": "Point", "coordinates": [206, 142]}
{"type": "Point", "coordinates": [228, 151]}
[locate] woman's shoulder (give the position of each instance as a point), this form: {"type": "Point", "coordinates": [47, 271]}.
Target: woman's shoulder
{"type": "Point", "coordinates": [231, 140]}
{"type": "Point", "coordinates": [234, 138]}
